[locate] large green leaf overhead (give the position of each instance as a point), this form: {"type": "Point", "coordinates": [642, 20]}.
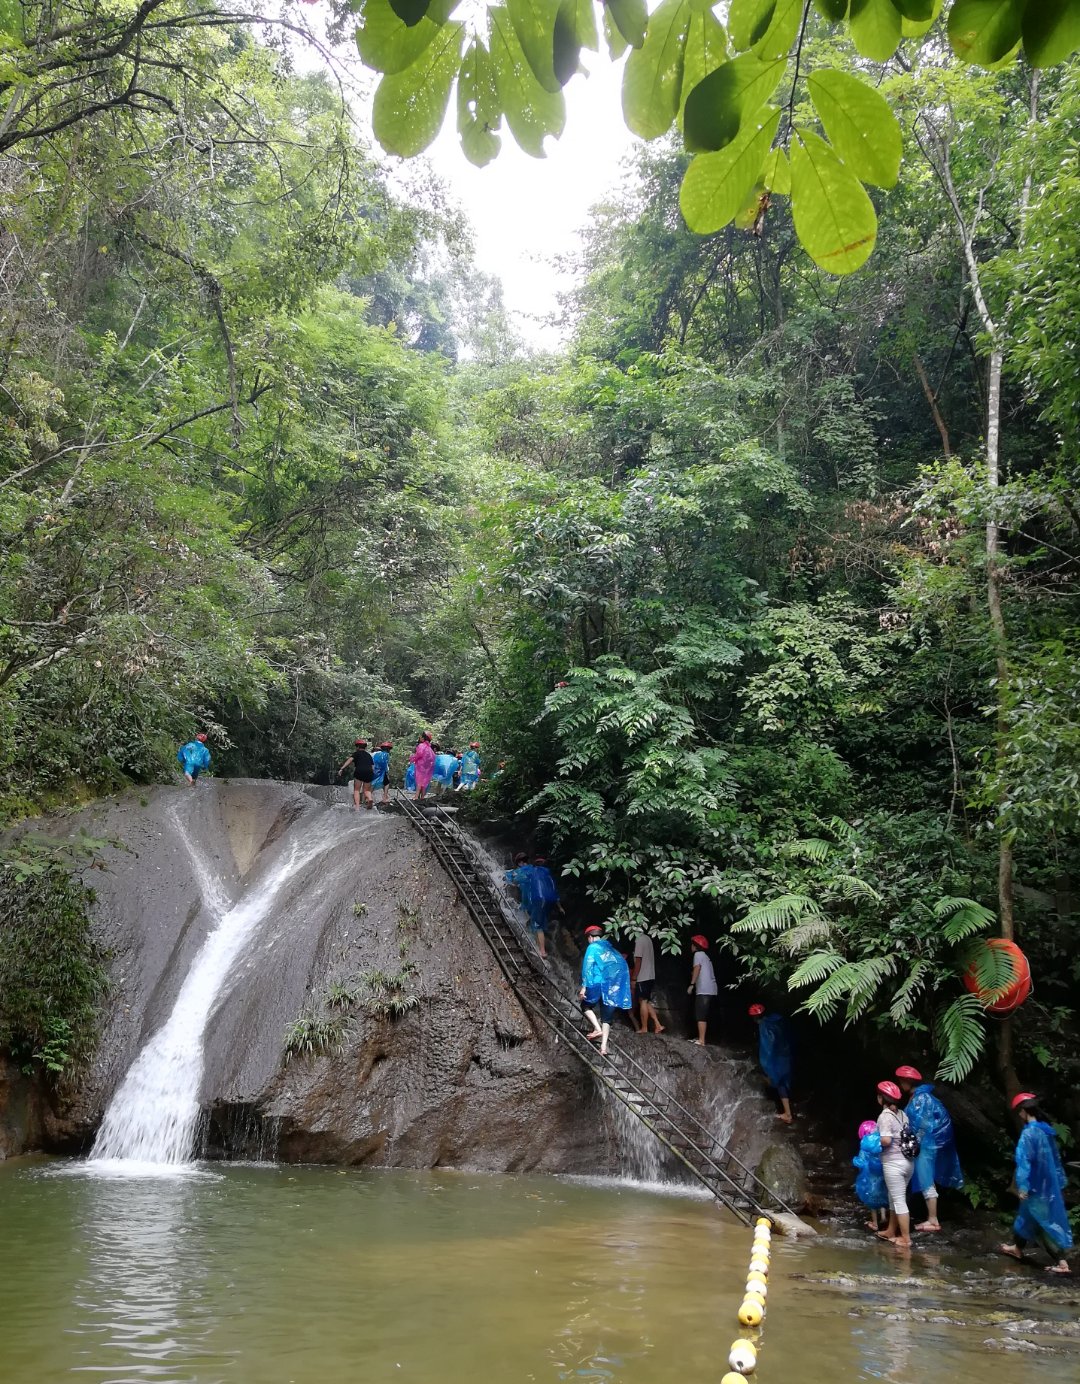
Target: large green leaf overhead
{"type": "Point", "coordinates": [652, 80]}
{"type": "Point", "coordinates": [716, 186]}
{"type": "Point", "coordinates": [859, 124]}
{"type": "Point", "coordinates": [531, 112]}
{"type": "Point", "coordinates": [834, 218]}
{"type": "Point", "coordinates": [479, 111]}
{"type": "Point", "coordinates": [410, 106]}
{"type": "Point", "coordinates": [387, 43]}
{"type": "Point", "coordinates": [984, 31]}
{"type": "Point", "coordinates": [733, 93]}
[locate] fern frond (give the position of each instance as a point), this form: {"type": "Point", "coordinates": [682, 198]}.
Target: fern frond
{"type": "Point", "coordinates": [993, 968]}
{"type": "Point", "coordinates": [908, 991]}
{"type": "Point", "coordinates": [961, 1033]}
{"type": "Point", "coordinates": [814, 969]}
{"type": "Point", "coordinates": [865, 985]}
{"type": "Point", "coordinates": [962, 918]}
{"type": "Point", "coordinates": [804, 935]}
{"type": "Point", "coordinates": [811, 848]}
{"type": "Point", "coordinates": [852, 887]}
{"type": "Point", "coordinates": [774, 914]}
{"type": "Point", "coordinates": [844, 831]}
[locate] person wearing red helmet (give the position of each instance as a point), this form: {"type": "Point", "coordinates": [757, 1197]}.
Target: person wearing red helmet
{"type": "Point", "coordinates": [774, 1055]}
{"type": "Point", "coordinates": [937, 1164]}
{"type": "Point", "coordinates": [363, 767]}
{"type": "Point", "coordinates": [702, 986]}
{"type": "Point", "coordinates": [194, 757]}
{"type": "Point", "coordinates": [605, 984]}
{"type": "Point", "coordinates": [381, 761]}
{"type": "Point", "coordinates": [896, 1165]}
{"type": "Point", "coordinates": [1040, 1181]}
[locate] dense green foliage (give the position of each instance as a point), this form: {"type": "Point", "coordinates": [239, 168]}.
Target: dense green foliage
{"type": "Point", "coordinates": [765, 586]}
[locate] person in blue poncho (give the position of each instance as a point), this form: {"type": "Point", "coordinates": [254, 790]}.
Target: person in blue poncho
{"type": "Point", "coordinates": [605, 985]}
{"type": "Point", "coordinates": [381, 760]}
{"type": "Point", "coordinates": [1040, 1182]}
{"type": "Point", "coordinates": [410, 778]}
{"type": "Point", "coordinates": [937, 1164]}
{"type": "Point", "coordinates": [543, 901]}
{"type": "Point", "coordinates": [774, 1054]}
{"type": "Point", "coordinates": [870, 1184]}
{"type": "Point", "coordinates": [194, 757]}
{"type": "Point", "coordinates": [470, 767]}
{"type": "Point", "coordinates": [521, 876]}
{"type": "Point", "coordinates": [445, 768]}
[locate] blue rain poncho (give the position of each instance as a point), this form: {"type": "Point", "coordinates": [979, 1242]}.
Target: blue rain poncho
{"type": "Point", "coordinates": [605, 975]}
{"type": "Point", "coordinates": [410, 778]}
{"type": "Point", "coordinates": [381, 760]}
{"type": "Point", "coordinates": [193, 757]}
{"type": "Point", "coordinates": [870, 1183]}
{"type": "Point", "coordinates": [937, 1164]}
{"type": "Point", "coordinates": [445, 769]}
{"type": "Point", "coordinates": [470, 768]}
{"type": "Point", "coordinates": [543, 896]}
{"type": "Point", "coordinates": [774, 1051]}
{"type": "Point", "coordinates": [1040, 1175]}
{"type": "Point", "coordinates": [522, 877]}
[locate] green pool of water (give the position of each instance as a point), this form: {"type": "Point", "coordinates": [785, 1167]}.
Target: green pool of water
{"type": "Point", "coordinates": [274, 1275]}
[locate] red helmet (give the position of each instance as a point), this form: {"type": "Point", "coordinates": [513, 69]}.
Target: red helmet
{"type": "Point", "coordinates": [200, 735]}
{"type": "Point", "coordinates": [562, 684]}
{"type": "Point", "coordinates": [593, 930]}
{"type": "Point", "coordinates": [474, 744]}
{"type": "Point", "coordinates": [908, 1074]}
{"type": "Point", "coordinates": [890, 1089]}
{"type": "Point", "coordinates": [360, 744]}
{"type": "Point", "coordinates": [387, 745]}
{"type": "Point", "coordinates": [700, 941]}
{"type": "Point", "coordinates": [1022, 1099]}
{"type": "Point", "coordinates": [756, 1010]}
{"type": "Point", "coordinates": [539, 859]}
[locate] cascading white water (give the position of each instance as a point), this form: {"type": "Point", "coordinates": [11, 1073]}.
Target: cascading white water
{"type": "Point", "coordinates": [153, 1116]}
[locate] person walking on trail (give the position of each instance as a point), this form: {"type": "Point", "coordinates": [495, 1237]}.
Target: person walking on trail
{"type": "Point", "coordinates": [194, 757]}
{"type": "Point", "coordinates": [521, 876]}
{"type": "Point", "coordinates": [470, 767]}
{"type": "Point", "coordinates": [774, 1054]}
{"type": "Point", "coordinates": [897, 1163]}
{"type": "Point", "coordinates": [605, 985]}
{"type": "Point", "coordinates": [423, 760]}
{"type": "Point", "coordinates": [937, 1164]}
{"type": "Point", "coordinates": [363, 767]}
{"type": "Point", "coordinates": [410, 777]}
{"type": "Point", "coordinates": [702, 986]}
{"type": "Point", "coordinates": [543, 901]}
{"type": "Point", "coordinates": [644, 976]}
{"type": "Point", "coordinates": [870, 1182]}
{"type": "Point", "coordinates": [444, 769]}
{"type": "Point", "coordinates": [381, 760]}
{"type": "Point", "coordinates": [1040, 1182]}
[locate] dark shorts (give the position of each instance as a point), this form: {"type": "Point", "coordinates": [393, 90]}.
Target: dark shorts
{"type": "Point", "coordinates": [645, 989]}
{"type": "Point", "coordinates": [702, 1005]}
{"type": "Point", "coordinates": [605, 1013]}
{"type": "Point", "coordinates": [194, 773]}
{"type": "Point", "coordinates": [358, 779]}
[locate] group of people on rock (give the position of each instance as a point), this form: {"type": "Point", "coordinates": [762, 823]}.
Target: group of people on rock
{"type": "Point", "coordinates": [429, 764]}
{"type": "Point", "coordinates": [911, 1147]}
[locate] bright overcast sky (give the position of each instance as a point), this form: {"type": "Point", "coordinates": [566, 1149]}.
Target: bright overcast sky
{"type": "Point", "coordinates": [526, 212]}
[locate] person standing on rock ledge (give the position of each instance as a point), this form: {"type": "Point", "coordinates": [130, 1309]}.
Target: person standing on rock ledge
{"type": "Point", "coordinates": [423, 761]}
{"type": "Point", "coordinates": [381, 760]}
{"type": "Point", "coordinates": [1040, 1181]}
{"type": "Point", "coordinates": [702, 986]}
{"type": "Point", "coordinates": [774, 1055]}
{"type": "Point", "coordinates": [363, 767]}
{"type": "Point", "coordinates": [194, 757]}
{"type": "Point", "coordinates": [605, 985]}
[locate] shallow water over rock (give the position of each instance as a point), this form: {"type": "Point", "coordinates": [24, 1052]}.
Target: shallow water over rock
{"type": "Point", "coordinates": [292, 1275]}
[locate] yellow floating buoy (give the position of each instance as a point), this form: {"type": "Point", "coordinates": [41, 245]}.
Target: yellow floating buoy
{"type": "Point", "coordinates": [764, 1220]}
{"type": "Point", "coordinates": [742, 1357]}
{"type": "Point", "coordinates": [750, 1296]}
{"type": "Point", "coordinates": [732, 1378]}
{"type": "Point", "coordinates": [751, 1312]}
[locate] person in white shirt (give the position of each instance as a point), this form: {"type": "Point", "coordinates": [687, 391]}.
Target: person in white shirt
{"type": "Point", "coordinates": [645, 979]}
{"type": "Point", "coordinates": [702, 986]}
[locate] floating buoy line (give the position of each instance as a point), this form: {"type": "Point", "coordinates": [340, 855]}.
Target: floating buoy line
{"type": "Point", "coordinates": [743, 1356]}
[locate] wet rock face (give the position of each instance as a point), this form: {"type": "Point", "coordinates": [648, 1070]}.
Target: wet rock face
{"type": "Point", "coordinates": [782, 1171]}
{"type": "Point", "coordinates": [461, 1078]}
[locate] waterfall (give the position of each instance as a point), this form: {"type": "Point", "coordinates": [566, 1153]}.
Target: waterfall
{"type": "Point", "coordinates": [153, 1116]}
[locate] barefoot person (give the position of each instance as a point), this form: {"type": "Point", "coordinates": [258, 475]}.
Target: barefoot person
{"type": "Point", "coordinates": [1040, 1181]}
{"type": "Point", "coordinates": [702, 986]}
{"type": "Point", "coordinates": [774, 1054]}
{"type": "Point", "coordinates": [363, 767]}
{"type": "Point", "coordinates": [605, 985]}
{"type": "Point", "coordinates": [381, 759]}
{"type": "Point", "coordinates": [645, 978]}
{"type": "Point", "coordinates": [937, 1164]}
{"type": "Point", "coordinates": [423, 761]}
{"type": "Point", "coordinates": [194, 757]}
{"type": "Point", "coordinates": [896, 1166]}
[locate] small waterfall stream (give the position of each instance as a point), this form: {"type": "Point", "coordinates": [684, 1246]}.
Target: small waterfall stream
{"type": "Point", "coordinates": [153, 1116]}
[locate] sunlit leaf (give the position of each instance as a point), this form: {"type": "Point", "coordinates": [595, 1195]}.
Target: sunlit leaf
{"type": "Point", "coordinates": [834, 218]}
{"type": "Point", "coordinates": [749, 20]}
{"type": "Point", "coordinates": [534, 24]}
{"type": "Point", "coordinates": [777, 174]}
{"type": "Point", "coordinates": [718, 105]}
{"type": "Point", "coordinates": [777, 40]}
{"type": "Point", "coordinates": [479, 112]}
{"type": "Point", "coordinates": [1051, 31]}
{"type": "Point", "coordinates": [706, 49]}
{"type": "Point", "coordinates": [388, 44]}
{"type": "Point", "coordinates": [875, 28]}
{"type": "Point", "coordinates": [630, 17]}
{"type": "Point", "coordinates": [409, 106]}
{"type": "Point", "coordinates": [652, 79]}
{"type": "Point", "coordinates": [410, 12]}
{"type": "Point", "coordinates": [983, 31]}
{"type": "Point", "coordinates": [530, 111]}
{"type": "Point", "coordinates": [859, 123]}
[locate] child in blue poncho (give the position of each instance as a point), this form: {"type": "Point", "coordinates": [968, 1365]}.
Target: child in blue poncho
{"type": "Point", "coordinates": [194, 757]}
{"type": "Point", "coordinates": [870, 1184]}
{"type": "Point", "coordinates": [410, 778]}
{"type": "Point", "coordinates": [605, 985]}
{"type": "Point", "coordinates": [937, 1164]}
{"type": "Point", "coordinates": [445, 768]}
{"type": "Point", "coordinates": [1040, 1182]}
{"type": "Point", "coordinates": [381, 759]}
{"type": "Point", "coordinates": [470, 767]}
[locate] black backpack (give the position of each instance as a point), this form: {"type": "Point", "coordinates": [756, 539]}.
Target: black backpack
{"type": "Point", "coordinates": [908, 1140]}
